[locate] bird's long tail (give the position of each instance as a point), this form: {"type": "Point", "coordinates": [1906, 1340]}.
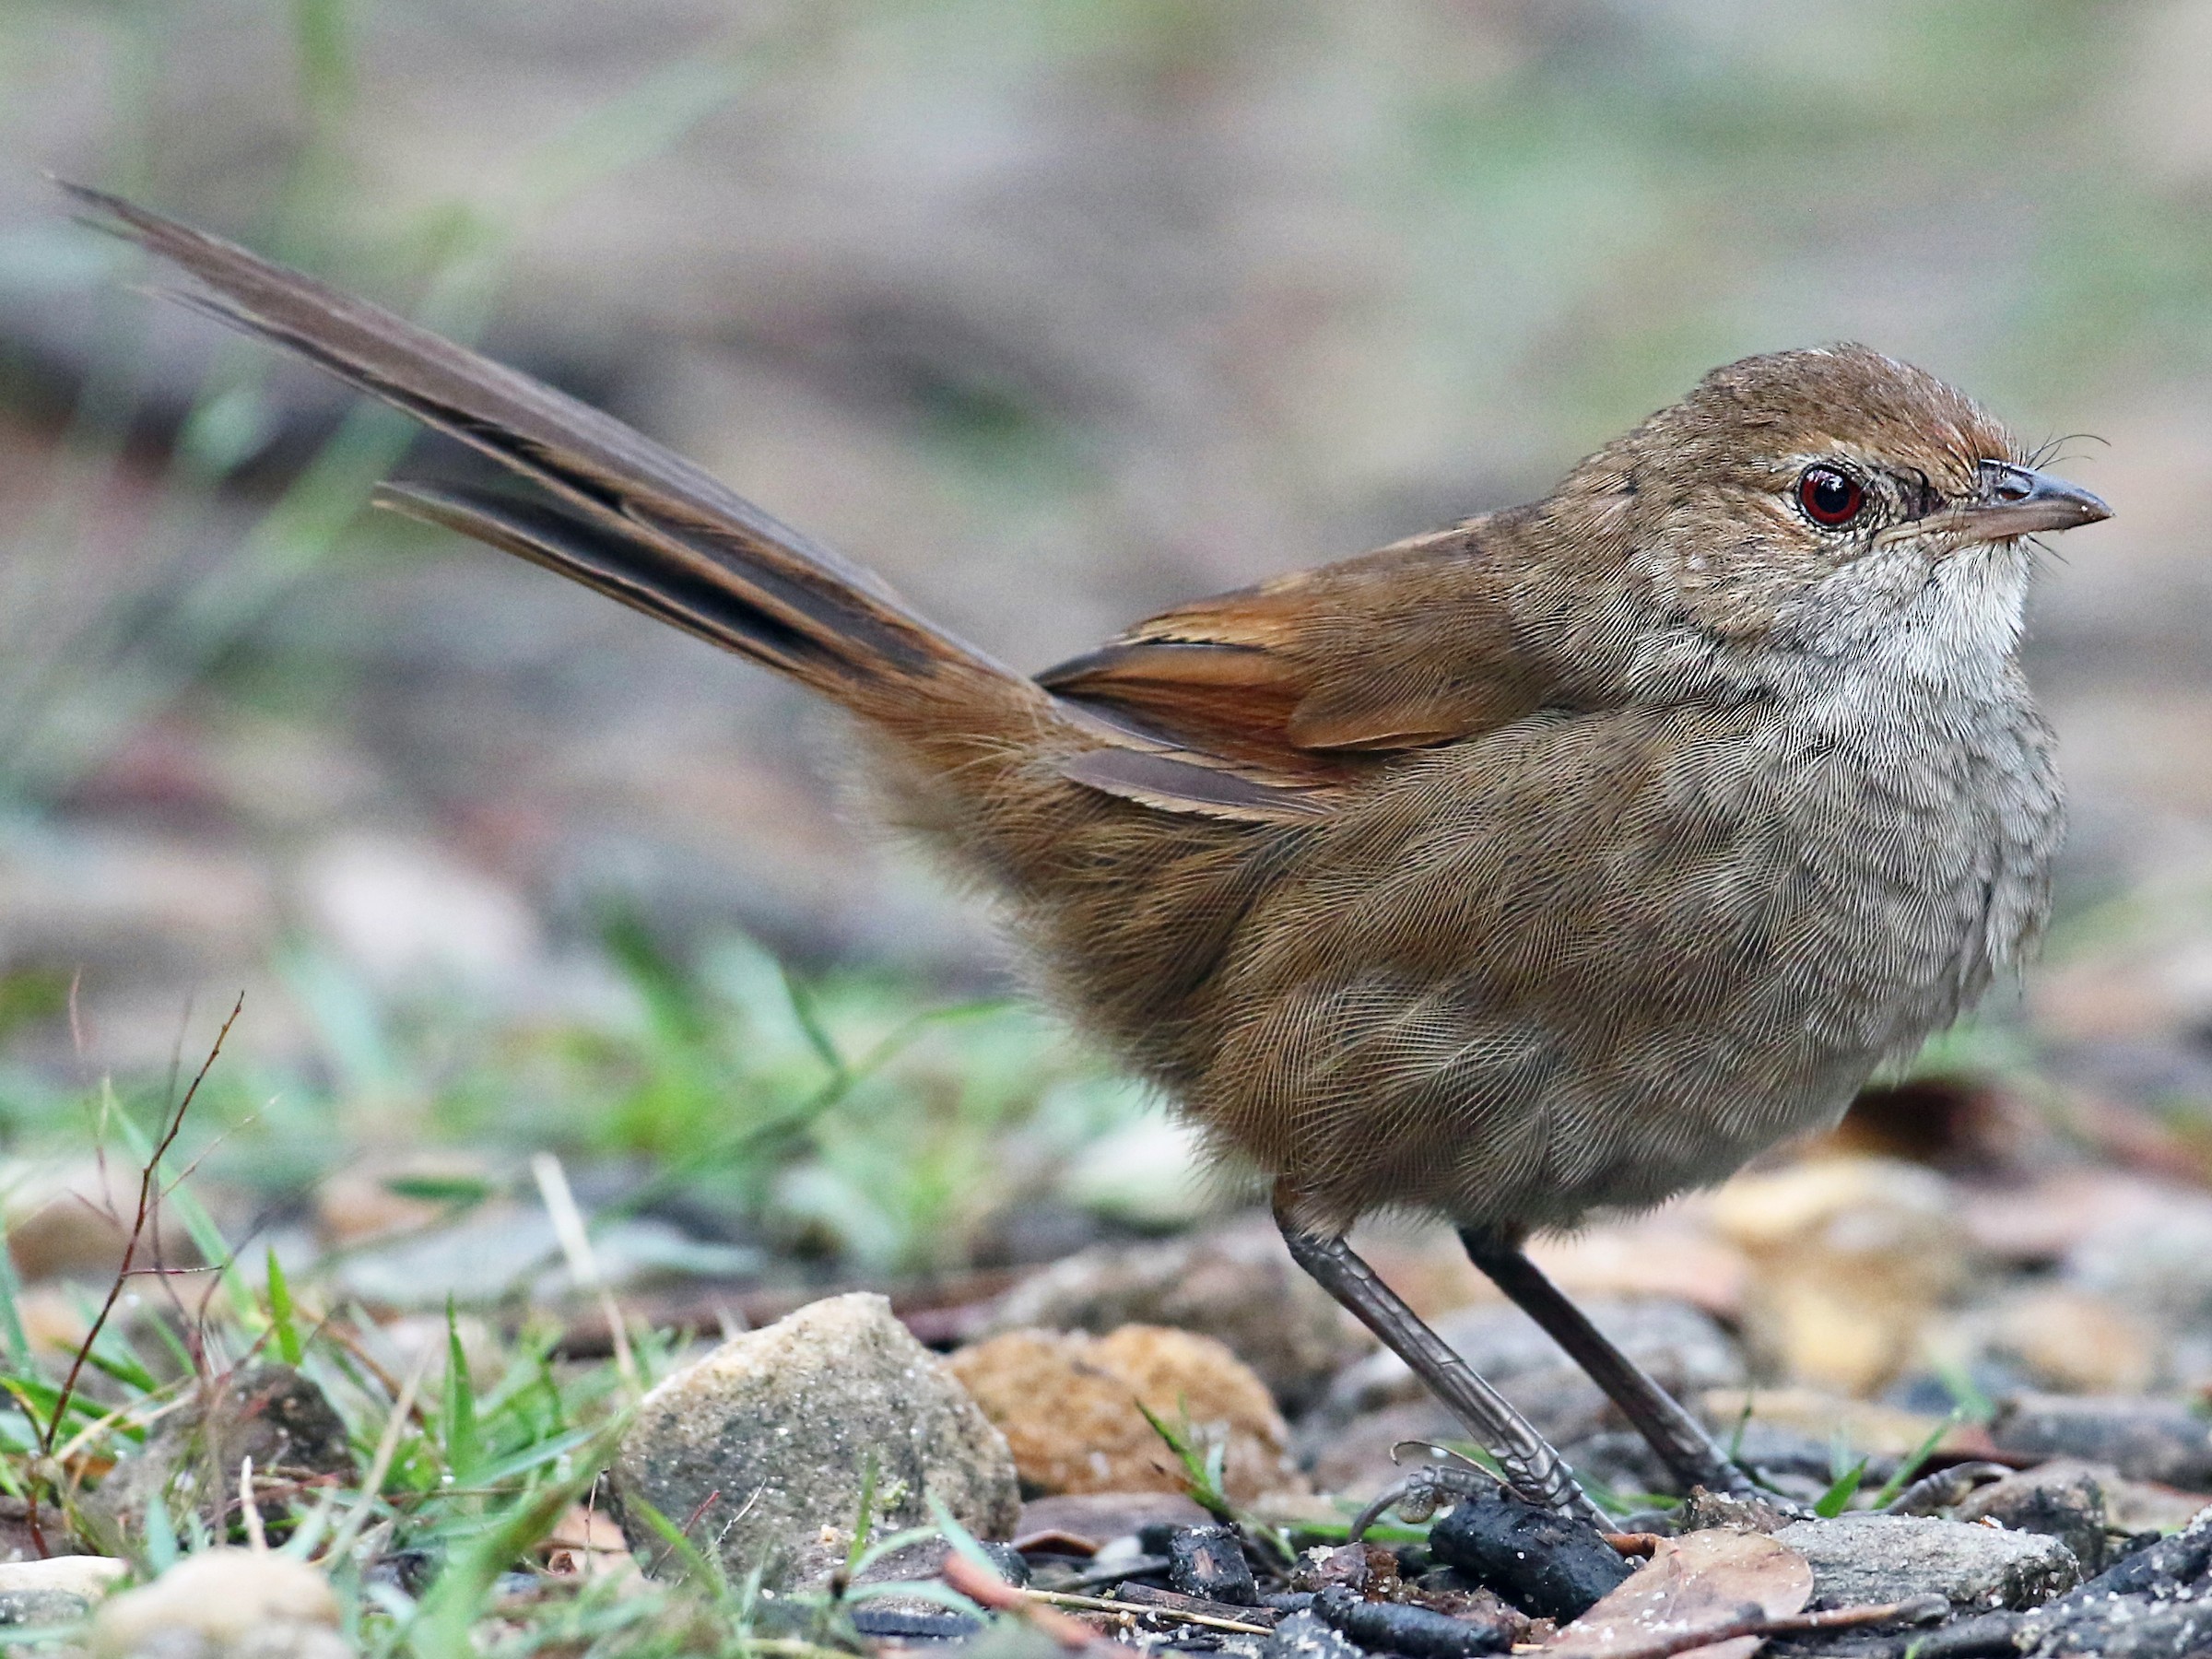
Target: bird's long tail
{"type": "Point", "coordinates": [618, 511]}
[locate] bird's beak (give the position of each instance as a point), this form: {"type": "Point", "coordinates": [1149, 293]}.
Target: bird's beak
{"type": "Point", "coordinates": [2019, 500]}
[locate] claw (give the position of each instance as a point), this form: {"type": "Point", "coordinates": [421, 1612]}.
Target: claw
{"type": "Point", "coordinates": [1420, 1492]}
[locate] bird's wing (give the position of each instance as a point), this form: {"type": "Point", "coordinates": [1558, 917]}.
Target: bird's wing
{"type": "Point", "coordinates": [1317, 674]}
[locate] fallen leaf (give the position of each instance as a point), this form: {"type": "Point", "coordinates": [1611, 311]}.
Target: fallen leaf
{"type": "Point", "coordinates": [1703, 1580]}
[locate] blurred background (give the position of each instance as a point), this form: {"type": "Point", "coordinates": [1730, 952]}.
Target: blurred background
{"type": "Point", "coordinates": [1057, 315]}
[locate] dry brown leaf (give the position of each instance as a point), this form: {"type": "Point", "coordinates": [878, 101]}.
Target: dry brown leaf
{"type": "Point", "coordinates": [1702, 1580]}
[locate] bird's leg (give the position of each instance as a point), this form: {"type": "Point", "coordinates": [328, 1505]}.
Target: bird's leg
{"type": "Point", "coordinates": [1678, 1439]}
{"type": "Point", "coordinates": [1531, 1467]}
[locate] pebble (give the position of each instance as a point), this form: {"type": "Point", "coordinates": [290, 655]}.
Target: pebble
{"type": "Point", "coordinates": [1236, 1284]}
{"type": "Point", "coordinates": [72, 1217]}
{"type": "Point", "coordinates": [230, 1600]}
{"type": "Point", "coordinates": [1209, 1562]}
{"type": "Point", "coordinates": [2062, 1499]}
{"type": "Point", "coordinates": [1850, 1258]}
{"type": "Point", "coordinates": [2154, 1256]}
{"type": "Point", "coordinates": [1067, 1404]}
{"type": "Point", "coordinates": [2074, 1341]}
{"type": "Point", "coordinates": [265, 1411]}
{"type": "Point", "coordinates": [1870, 1558]}
{"type": "Point", "coordinates": [1544, 1564]}
{"type": "Point", "coordinates": [766, 1441]}
{"type": "Point", "coordinates": [56, 1590]}
{"type": "Point", "coordinates": [1305, 1636]}
{"type": "Point", "coordinates": [2145, 1438]}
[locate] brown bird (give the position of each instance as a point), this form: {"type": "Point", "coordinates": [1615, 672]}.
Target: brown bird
{"type": "Point", "coordinates": [1553, 864]}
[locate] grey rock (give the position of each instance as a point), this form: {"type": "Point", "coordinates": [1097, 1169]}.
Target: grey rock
{"type": "Point", "coordinates": [42, 1607]}
{"type": "Point", "coordinates": [767, 1440]}
{"type": "Point", "coordinates": [1860, 1559]}
{"type": "Point", "coordinates": [2143, 1439]}
{"type": "Point", "coordinates": [1235, 1284]}
{"type": "Point", "coordinates": [57, 1590]}
{"type": "Point", "coordinates": [2154, 1258]}
{"type": "Point", "coordinates": [2062, 1499]}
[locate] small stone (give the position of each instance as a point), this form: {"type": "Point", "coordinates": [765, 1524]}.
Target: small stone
{"type": "Point", "coordinates": [56, 1590]}
{"type": "Point", "coordinates": [1304, 1636]}
{"type": "Point", "coordinates": [2145, 1438]}
{"type": "Point", "coordinates": [1705, 1511]}
{"type": "Point", "coordinates": [2145, 1506]}
{"type": "Point", "coordinates": [1850, 1258]}
{"type": "Point", "coordinates": [2153, 1604]}
{"type": "Point", "coordinates": [2075, 1341]}
{"type": "Point", "coordinates": [1545, 1564]}
{"type": "Point", "coordinates": [2154, 1256]}
{"type": "Point", "coordinates": [1209, 1562]}
{"type": "Point", "coordinates": [1237, 1284]}
{"type": "Point", "coordinates": [265, 1411]}
{"type": "Point", "coordinates": [1067, 1404]}
{"type": "Point", "coordinates": [1860, 1558]}
{"type": "Point", "coordinates": [767, 1440]}
{"type": "Point", "coordinates": [1348, 1567]}
{"type": "Point", "coordinates": [72, 1218]}
{"type": "Point", "coordinates": [2062, 1499]}
{"type": "Point", "coordinates": [409, 914]}
{"type": "Point", "coordinates": [234, 1601]}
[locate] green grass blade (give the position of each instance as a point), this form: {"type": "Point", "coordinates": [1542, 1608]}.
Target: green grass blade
{"type": "Point", "coordinates": [281, 1321]}
{"type": "Point", "coordinates": [1837, 1499]}
{"type": "Point", "coordinates": [464, 1438]}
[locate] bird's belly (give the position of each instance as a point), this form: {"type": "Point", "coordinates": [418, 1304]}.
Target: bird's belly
{"type": "Point", "coordinates": [1912, 879]}
{"type": "Point", "coordinates": [1616, 981]}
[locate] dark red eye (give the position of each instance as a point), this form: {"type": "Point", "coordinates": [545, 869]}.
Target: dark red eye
{"type": "Point", "coordinates": [1829, 496]}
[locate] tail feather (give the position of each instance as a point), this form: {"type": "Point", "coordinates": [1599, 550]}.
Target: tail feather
{"type": "Point", "coordinates": [621, 568]}
{"type": "Point", "coordinates": [641, 523]}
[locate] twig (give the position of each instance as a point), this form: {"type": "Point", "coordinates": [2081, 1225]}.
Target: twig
{"type": "Point", "coordinates": [148, 1182]}
{"type": "Point", "coordinates": [1099, 1604]}
{"type": "Point", "coordinates": [576, 1245]}
{"type": "Point", "coordinates": [985, 1588]}
{"type": "Point", "coordinates": [684, 1530]}
{"type": "Point", "coordinates": [254, 1535]}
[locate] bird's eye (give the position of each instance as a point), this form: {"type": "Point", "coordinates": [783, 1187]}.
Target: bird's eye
{"type": "Point", "coordinates": [1830, 496]}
